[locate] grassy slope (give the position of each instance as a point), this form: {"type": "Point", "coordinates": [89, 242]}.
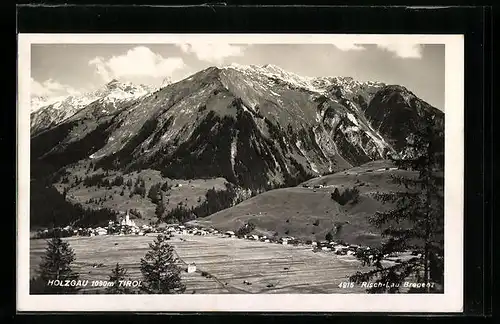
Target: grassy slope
{"type": "Point", "coordinates": [293, 211]}
{"type": "Point", "coordinates": [190, 192]}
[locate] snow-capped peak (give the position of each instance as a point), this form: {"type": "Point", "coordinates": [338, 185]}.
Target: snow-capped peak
{"type": "Point", "coordinates": [38, 102]}
{"type": "Point", "coordinates": [116, 90]}
{"type": "Point", "coordinates": [166, 81]}
{"type": "Point", "coordinates": [49, 113]}
{"type": "Point", "coordinates": [320, 85]}
{"type": "Point", "coordinates": [276, 72]}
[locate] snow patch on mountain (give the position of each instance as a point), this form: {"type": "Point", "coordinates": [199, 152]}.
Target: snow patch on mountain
{"type": "Point", "coordinates": [312, 165]}
{"type": "Point", "coordinates": [352, 119]}
{"type": "Point", "coordinates": [62, 109]}
{"type": "Point", "coordinates": [234, 149]}
{"type": "Point", "coordinates": [271, 71]}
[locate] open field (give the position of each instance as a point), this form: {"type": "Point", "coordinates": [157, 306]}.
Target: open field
{"type": "Point", "coordinates": [230, 261]}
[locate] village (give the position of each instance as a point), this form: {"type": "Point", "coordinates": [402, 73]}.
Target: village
{"type": "Point", "coordinates": [123, 225]}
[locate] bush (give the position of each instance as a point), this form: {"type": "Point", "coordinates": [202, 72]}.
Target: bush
{"type": "Point", "coordinates": [136, 213]}
{"type": "Point", "coordinates": [118, 181]}
{"type": "Point", "coordinates": [348, 195]}
{"type": "Point", "coordinates": [166, 186]}
{"type": "Point", "coordinates": [245, 229]}
{"type": "Point", "coordinates": [154, 193]}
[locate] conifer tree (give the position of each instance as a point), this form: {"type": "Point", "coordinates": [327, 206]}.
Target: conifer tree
{"type": "Point", "coordinates": [118, 276]}
{"type": "Point", "coordinates": [417, 221]}
{"type": "Point", "coordinates": [56, 265]}
{"type": "Point", "coordinates": [161, 275]}
{"type": "Point", "coordinates": [160, 208]}
{"type": "Point", "coordinates": [154, 193]}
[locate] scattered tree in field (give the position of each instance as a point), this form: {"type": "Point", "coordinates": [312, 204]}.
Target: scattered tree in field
{"type": "Point", "coordinates": [129, 183]}
{"type": "Point", "coordinates": [154, 193]}
{"type": "Point", "coordinates": [245, 229]}
{"type": "Point", "coordinates": [417, 221]}
{"type": "Point", "coordinates": [160, 273]}
{"type": "Point", "coordinates": [166, 186]}
{"type": "Point", "coordinates": [118, 181]}
{"type": "Point", "coordinates": [329, 236]}
{"type": "Point", "coordinates": [139, 187]}
{"type": "Point", "coordinates": [117, 277]}
{"type": "Point", "coordinates": [348, 195]}
{"type": "Point", "coordinates": [135, 212]}
{"type": "Point", "coordinates": [338, 226]}
{"type": "Point", "coordinates": [160, 209]}
{"type": "Point", "coordinates": [316, 222]}
{"type": "Point", "coordinates": [55, 265]}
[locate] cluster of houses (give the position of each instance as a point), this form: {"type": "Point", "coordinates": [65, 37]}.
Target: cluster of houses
{"type": "Point", "coordinates": [123, 225]}
{"type": "Point", "coordinates": [327, 246]}
{"type": "Point", "coordinates": [183, 230]}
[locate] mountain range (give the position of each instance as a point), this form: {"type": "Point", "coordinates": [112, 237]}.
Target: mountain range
{"type": "Point", "coordinates": [48, 113]}
{"type": "Point", "coordinates": [257, 127]}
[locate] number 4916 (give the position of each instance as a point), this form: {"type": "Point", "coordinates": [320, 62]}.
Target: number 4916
{"type": "Point", "coordinates": [346, 285]}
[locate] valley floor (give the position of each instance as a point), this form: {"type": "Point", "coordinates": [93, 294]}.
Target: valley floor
{"type": "Point", "coordinates": [230, 262]}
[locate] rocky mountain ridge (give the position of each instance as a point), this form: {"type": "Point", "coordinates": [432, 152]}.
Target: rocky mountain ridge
{"type": "Point", "coordinates": [257, 126]}
{"type": "Point", "coordinates": [47, 113]}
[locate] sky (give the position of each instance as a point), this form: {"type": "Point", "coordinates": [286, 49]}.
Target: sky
{"type": "Point", "coordinates": [66, 69]}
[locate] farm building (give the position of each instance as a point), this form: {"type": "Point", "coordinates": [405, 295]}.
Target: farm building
{"type": "Point", "coordinates": [191, 268]}
{"type": "Point", "coordinates": [100, 231]}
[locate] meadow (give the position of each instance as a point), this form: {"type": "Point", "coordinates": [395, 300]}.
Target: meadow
{"type": "Point", "coordinates": [224, 265]}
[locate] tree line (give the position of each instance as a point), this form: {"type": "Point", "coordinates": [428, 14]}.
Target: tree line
{"type": "Point", "coordinates": [215, 200]}
{"type": "Point", "coordinates": [49, 208]}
